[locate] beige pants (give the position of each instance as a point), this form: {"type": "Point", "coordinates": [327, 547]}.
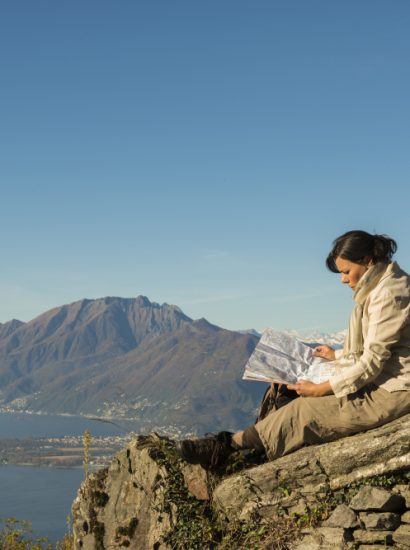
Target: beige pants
{"type": "Point", "coordinates": [313, 420]}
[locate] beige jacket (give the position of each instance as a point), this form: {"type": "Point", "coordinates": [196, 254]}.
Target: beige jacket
{"type": "Point", "coordinates": [385, 360]}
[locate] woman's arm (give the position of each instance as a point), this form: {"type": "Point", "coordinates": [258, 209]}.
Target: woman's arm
{"type": "Point", "coordinates": [385, 322]}
{"type": "Point", "coordinates": [304, 388]}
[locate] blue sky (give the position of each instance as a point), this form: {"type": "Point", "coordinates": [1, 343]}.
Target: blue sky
{"type": "Point", "coordinates": [204, 154]}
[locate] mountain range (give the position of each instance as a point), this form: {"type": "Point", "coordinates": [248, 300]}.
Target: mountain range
{"type": "Point", "coordinates": [129, 358]}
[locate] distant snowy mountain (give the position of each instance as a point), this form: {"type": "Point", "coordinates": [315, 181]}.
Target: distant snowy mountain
{"type": "Point", "coordinates": [250, 331]}
{"type": "Point", "coordinates": [334, 339]}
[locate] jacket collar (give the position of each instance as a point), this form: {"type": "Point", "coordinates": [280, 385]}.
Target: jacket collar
{"type": "Point", "coordinates": [370, 280]}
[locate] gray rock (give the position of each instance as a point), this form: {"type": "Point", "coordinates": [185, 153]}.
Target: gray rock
{"type": "Point", "coordinates": [334, 536]}
{"type": "Point", "coordinates": [342, 516]}
{"type": "Point", "coordinates": [400, 488]}
{"type": "Point", "coordinates": [384, 521]}
{"type": "Point", "coordinates": [308, 542]}
{"type": "Point", "coordinates": [404, 491]}
{"type": "Point", "coordinates": [406, 496]}
{"type": "Point", "coordinates": [298, 509]}
{"type": "Point", "coordinates": [311, 469]}
{"type": "Point", "coordinates": [323, 538]}
{"type": "Point", "coordinates": [196, 479]}
{"type": "Point", "coordinates": [376, 498]}
{"type": "Point", "coordinates": [402, 536]}
{"type": "Point", "coordinates": [372, 547]}
{"type": "Point", "coordinates": [405, 518]}
{"type": "Point", "coordinates": [305, 544]}
{"type": "Point", "coordinates": [373, 537]}
{"type": "Point", "coordinates": [126, 505]}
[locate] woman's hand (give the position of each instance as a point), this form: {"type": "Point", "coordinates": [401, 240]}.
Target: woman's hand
{"type": "Point", "coordinates": [326, 352]}
{"type": "Point", "coordinates": [304, 388]}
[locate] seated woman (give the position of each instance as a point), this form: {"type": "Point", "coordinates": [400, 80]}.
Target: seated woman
{"type": "Point", "coordinates": [372, 382]}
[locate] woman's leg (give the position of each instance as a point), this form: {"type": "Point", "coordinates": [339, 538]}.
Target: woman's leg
{"type": "Point", "coordinates": [275, 397]}
{"type": "Point", "coordinates": [303, 421]}
{"type": "Point", "coordinates": [313, 420]}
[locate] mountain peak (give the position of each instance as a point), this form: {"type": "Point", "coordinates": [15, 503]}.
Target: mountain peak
{"type": "Point", "coordinates": [143, 301]}
{"type": "Point", "coordinates": [8, 328]}
{"type": "Point", "coordinates": [126, 356]}
{"type": "Point", "coordinates": [89, 327]}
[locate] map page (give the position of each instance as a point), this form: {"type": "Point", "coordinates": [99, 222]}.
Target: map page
{"type": "Point", "coordinates": [279, 357]}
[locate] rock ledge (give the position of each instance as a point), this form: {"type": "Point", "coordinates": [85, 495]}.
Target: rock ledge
{"type": "Point", "coordinates": [149, 499]}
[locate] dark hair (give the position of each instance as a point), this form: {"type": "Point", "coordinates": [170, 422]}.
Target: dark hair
{"type": "Point", "coordinates": [358, 246]}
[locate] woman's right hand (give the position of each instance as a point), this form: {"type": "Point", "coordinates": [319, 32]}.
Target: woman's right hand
{"type": "Point", "coordinates": [326, 352]}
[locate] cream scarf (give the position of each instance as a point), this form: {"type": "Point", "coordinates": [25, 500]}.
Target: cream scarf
{"type": "Point", "coordinates": [354, 339]}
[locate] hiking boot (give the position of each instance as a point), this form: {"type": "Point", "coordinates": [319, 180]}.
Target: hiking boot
{"type": "Point", "coordinates": [209, 451]}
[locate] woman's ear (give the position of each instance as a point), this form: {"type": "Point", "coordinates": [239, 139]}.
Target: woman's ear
{"type": "Point", "coordinates": [366, 262]}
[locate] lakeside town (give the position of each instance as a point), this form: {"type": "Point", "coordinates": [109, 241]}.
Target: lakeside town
{"type": "Point", "coordinates": [69, 451]}
{"type": "Point", "coordinates": [72, 451]}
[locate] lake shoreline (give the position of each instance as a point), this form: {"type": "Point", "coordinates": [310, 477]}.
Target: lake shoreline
{"type": "Point", "coordinates": [60, 452]}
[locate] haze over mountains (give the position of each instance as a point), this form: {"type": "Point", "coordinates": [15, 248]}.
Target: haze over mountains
{"type": "Point", "coordinates": [129, 358]}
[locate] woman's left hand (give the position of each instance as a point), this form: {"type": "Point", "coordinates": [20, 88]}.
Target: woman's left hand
{"type": "Point", "coordinates": [304, 388]}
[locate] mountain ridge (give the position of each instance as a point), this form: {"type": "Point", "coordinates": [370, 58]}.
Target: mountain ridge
{"type": "Point", "coordinates": [127, 357]}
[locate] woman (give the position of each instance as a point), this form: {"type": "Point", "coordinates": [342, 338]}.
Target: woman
{"type": "Point", "coordinates": [372, 382]}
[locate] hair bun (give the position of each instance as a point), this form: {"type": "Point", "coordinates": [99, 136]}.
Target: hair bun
{"type": "Point", "coordinates": [384, 247]}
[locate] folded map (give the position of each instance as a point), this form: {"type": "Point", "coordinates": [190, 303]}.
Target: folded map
{"type": "Point", "coordinates": [279, 357]}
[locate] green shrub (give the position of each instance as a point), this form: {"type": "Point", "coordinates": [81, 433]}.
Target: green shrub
{"type": "Point", "coordinates": [17, 535]}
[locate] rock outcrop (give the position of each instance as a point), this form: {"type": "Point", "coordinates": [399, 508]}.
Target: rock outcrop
{"type": "Point", "coordinates": [312, 471]}
{"type": "Point", "coordinates": [353, 492]}
{"type": "Point", "coordinates": [137, 501]}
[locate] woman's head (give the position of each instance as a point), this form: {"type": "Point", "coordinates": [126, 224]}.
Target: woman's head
{"type": "Point", "coordinates": [360, 249]}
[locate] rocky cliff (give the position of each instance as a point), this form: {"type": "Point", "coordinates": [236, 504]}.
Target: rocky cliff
{"type": "Point", "coordinates": [351, 493]}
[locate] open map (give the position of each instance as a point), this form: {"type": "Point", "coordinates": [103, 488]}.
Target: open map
{"type": "Point", "coordinates": [279, 357]}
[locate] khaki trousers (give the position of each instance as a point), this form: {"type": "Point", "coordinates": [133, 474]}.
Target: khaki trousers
{"type": "Point", "coordinates": [313, 420]}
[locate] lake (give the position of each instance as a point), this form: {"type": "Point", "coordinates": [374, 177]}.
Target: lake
{"type": "Point", "coordinates": [44, 495]}
{"type": "Point", "coordinates": [41, 495]}
{"type": "Point", "coordinates": [23, 425]}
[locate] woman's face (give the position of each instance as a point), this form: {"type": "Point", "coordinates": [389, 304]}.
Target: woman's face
{"type": "Point", "coordinates": [351, 272]}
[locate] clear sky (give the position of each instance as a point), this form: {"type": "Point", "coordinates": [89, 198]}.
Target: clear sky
{"type": "Point", "coordinates": [203, 153]}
